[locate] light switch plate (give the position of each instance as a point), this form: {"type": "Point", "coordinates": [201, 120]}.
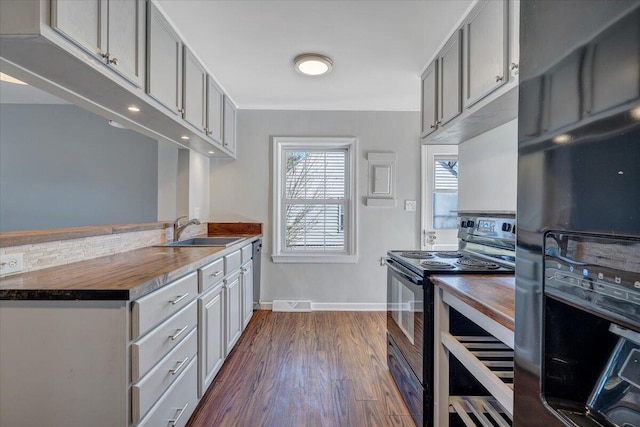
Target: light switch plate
{"type": "Point", "coordinates": [410, 205]}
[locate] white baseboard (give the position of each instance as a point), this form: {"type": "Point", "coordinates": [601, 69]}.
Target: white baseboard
{"type": "Point", "coordinates": [338, 306]}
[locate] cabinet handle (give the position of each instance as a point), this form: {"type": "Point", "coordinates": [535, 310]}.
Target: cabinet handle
{"type": "Point", "coordinates": [177, 334]}
{"type": "Point", "coordinates": [514, 66]}
{"type": "Point", "coordinates": [244, 270]}
{"type": "Point", "coordinates": [225, 143]}
{"type": "Point", "coordinates": [438, 123]}
{"type": "Point", "coordinates": [179, 366]}
{"type": "Point", "coordinates": [180, 298]}
{"type": "Point", "coordinates": [113, 61]}
{"type": "Point", "coordinates": [181, 111]}
{"type": "Point", "coordinates": [433, 126]}
{"type": "Point", "coordinates": [216, 274]}
{"type": "Point", "coordinates": [499, 78]}
{"type": "Point", "coordinates": [105, 55]}
{"type": "Point", "coordinates": [174, 421]}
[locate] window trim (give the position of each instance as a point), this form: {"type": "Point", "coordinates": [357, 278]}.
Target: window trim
{"type": "Point", "coordinates": [279, 145]}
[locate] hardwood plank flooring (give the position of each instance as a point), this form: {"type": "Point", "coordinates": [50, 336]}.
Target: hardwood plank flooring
{"type": "Point", "coordinates": [306, 369]}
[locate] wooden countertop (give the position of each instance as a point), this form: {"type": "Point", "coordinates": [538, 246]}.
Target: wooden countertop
{"type": "Point", "coordinates": [492, 295]}
{"type": "Point", "coordinates": [124, 276]}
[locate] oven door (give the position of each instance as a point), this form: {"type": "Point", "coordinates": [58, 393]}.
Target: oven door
{"type": "Point", "coordinates": [405, 314]}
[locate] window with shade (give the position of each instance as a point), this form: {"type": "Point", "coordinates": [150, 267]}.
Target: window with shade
{"type": "Point", "coordinates": [314, 210]}
{"type": "Point", "coordinates": [445, 193]}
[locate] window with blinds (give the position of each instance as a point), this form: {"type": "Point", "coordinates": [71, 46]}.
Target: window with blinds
{"type": "Point", "coordinates": [314, 213]}
{"type": "Point", "coordinates": [445, 193]}
{"type": "Point", "coordinates": [315, 199]}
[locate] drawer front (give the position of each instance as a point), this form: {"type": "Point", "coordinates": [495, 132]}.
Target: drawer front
{"type": "Point", "coordinates": [152, 309]}
{"type": "Point", "coordinates": [147, 351]}
{"type": "Point", "coordinates": [176, 406]}
{"type": "Point", "coordinates": [211, 274]}
{"type": "Point", "coordinates": [232, 262]}
{"type": "Point", "coordinates": [246, 253]}
{"type": "Point", "coordinates": [147, 391]}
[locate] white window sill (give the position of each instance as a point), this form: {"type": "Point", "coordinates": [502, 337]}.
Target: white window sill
{"type": "Point", "coordinates": [314, 259]}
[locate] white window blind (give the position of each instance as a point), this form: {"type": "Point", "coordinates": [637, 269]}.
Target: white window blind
{"type": "Point", "coordinates": [315, 200]}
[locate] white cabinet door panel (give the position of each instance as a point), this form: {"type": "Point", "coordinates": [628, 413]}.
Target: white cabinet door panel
{"type": "Point", "coordinates": [126, 37]}
{"type": "Point", "coordinates": [194, 90]}
{"type": "Point", "coordinates": [84, 22]}
{"type": "Point", "coordinates": [233, 299]}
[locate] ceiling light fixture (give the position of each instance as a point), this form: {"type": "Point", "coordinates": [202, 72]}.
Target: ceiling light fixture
{"type": "Point", "coordinates": [211, 152]}
{"type": "Point", "coordinates": [562, 138]}
{"type": "Point", "coordinates": [7, 78]}
{"type": "Point", "coordinates": [184, 137]}
{"type": "Point", "coordinates": [116, 124]}
{"type": "Point", "coordinates": [635, 113]}
{"type": "Point", "coordinates": [312, 64]}
{"type": "Point", "coordinates": [133, 108]}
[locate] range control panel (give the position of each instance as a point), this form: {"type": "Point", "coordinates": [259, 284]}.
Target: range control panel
{"type": "Point", "coordinates": [601, 274]}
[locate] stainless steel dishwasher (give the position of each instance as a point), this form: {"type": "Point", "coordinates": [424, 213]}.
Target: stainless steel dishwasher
{"type": "Point", "coordinates": [257, 255]}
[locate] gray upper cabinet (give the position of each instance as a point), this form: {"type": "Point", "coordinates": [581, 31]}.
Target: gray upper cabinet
{"type": "Point", "coordinates": [450, 81]}
{"type": "Point", "coordinates": [83, 22]}
{"type": "Point", "coordinates": [429, 100]}
{"type": "Point", "coordinates": [486, 32]}
{"type": "Point", "coordinates": [229, 135]}
{"type": "Point", "coordinates": [112, 30]}
{"type": "Point", "coordinates": [194, 91]}
{"type": "Point", "coordinates": [215, 99]}
{"type": "Point", "coordinates": [126, 39]}
{"type": "Point", "coordinates": [164, 61]}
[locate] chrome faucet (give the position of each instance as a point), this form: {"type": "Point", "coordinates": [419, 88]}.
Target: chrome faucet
{"type": "Point", "coordinates": [178, 227]}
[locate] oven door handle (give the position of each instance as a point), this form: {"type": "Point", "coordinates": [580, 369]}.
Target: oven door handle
{"type": "Point", "coordinates": [395, 267]}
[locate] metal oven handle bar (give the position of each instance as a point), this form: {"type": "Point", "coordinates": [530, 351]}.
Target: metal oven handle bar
{"type": "Point", "coordinates": [404, 273]}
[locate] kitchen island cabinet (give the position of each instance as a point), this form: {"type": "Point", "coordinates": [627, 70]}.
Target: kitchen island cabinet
{"type": "Point", "coordinates": [483, 307]}
{"type": "Point", "coordinates": [113, 341]}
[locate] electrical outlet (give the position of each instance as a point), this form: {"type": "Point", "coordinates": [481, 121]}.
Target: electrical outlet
{"type": "Point", "coordinates": [11, 263]}
{"type": "Point", "coordinates": [410, 205]}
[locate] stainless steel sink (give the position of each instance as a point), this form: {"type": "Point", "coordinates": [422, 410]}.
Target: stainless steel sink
{"type": "Point", "coordinates": [206, 241]}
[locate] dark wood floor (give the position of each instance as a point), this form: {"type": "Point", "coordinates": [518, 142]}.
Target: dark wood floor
{"type": "Point", "coordinates": [306, 369]}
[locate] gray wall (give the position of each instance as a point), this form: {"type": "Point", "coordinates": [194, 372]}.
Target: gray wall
{"type": "Point", "coordinates": [61, 166]}
{"type": "Point", "coordinates": [242, 189]}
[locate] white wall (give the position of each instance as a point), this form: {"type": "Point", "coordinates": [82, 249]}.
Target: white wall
{"type": "Point", "coordinates": [487, 160]}
{"type": "Point", "coordinates": [242, 189]}
{"type": "Point", "coordinates": [167, 181]}
{"type": "Point", "coordinates": [192, 185]}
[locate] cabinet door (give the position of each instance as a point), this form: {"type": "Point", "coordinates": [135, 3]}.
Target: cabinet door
{"type": "Point", "coordinates": [211, 337]}
{"type": "Point", "coordinates": [125, 39]}
{"type": "Point", "coordinates": [83, 22]}
{"type": "Point", "coordinates": [486, 37]}
{"type": "Point", "coordinates": [429, 98]}
{"type": "Point", "coordinates": [214, 110]}
{"type": "Point", "coordinates": [450, 96]}
{"type": "Point", "coordinates": [229, 136]}
{"type": "Point", "coordinates": [233, 307]}
{"type": "Point", "coordinates": [164, 61]}
{"type": "Point", "coordinates": [247, 294]}
{"type": "Point", "coordinates": [194, 90]}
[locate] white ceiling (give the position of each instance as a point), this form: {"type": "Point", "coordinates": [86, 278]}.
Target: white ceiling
{"type": "Point", "coordinates": [379, 48]}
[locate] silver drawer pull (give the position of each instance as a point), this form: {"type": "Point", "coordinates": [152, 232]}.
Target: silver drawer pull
{"type": "Point", "coordinates": [174, 421]}
{"type": "Point", "coordinates": [216, 274]}
{"type": "Point", "coordinates": [180, 298]}
{"type": "Point", "coordinates": [179, 366]}
{"type": "Point", "coordinates": [177, 334]}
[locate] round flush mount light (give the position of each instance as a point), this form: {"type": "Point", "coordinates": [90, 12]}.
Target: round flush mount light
{"type": "Point", "coordinates": [133, 108]}
{"type": "Point", "coordinates": [312, 64]}
{"type": "Point", "coordinates": [184, 137]}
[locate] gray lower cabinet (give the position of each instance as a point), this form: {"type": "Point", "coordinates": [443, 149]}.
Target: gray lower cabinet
{"type": "Point", "coordinates": [247, 292]}
{"type": "Point", "coordinates": [429, 116]}
{"type": "Point", "coordinates": [450, 81]}
{"type": "Point", "coordinates": [233, 306]}
{"type": "Point", "coordinates": [194, 90]}
{"type": "Point", "coordinates": [229, 133]}
{"type": "Point", "coordinates": [164, 61]}
{"type": "Point", "coordinates": [112, 30]}
{"type": "Point", "coordinates": [215, 99]}
{"type": "Point", "coordinates": [210, 336]}
{"type": "Point", "coordinates": [486, 44]}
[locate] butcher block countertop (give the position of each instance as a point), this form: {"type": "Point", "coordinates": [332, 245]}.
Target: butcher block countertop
{"type": "Point", "coordinates": [492, 295]}
{"type": "Point", "coordinates": [124, 276]}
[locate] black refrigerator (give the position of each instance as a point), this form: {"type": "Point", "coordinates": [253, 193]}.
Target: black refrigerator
{"type": "Point", "coordinates": [577, 330]}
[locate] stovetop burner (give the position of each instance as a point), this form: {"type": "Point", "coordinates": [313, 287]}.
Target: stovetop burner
{"type": "Point", "coordinates": [417, 254]}
{"type": "Point", "coordinates": [448, 254]}
{"type": "Point", "coordinates": [437, 265]}
{"type": "Point", "coordinates": [474, 263]}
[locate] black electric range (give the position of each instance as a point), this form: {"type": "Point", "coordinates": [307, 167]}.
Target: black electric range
{"type": "Point", "coordinates": [451, 262]}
